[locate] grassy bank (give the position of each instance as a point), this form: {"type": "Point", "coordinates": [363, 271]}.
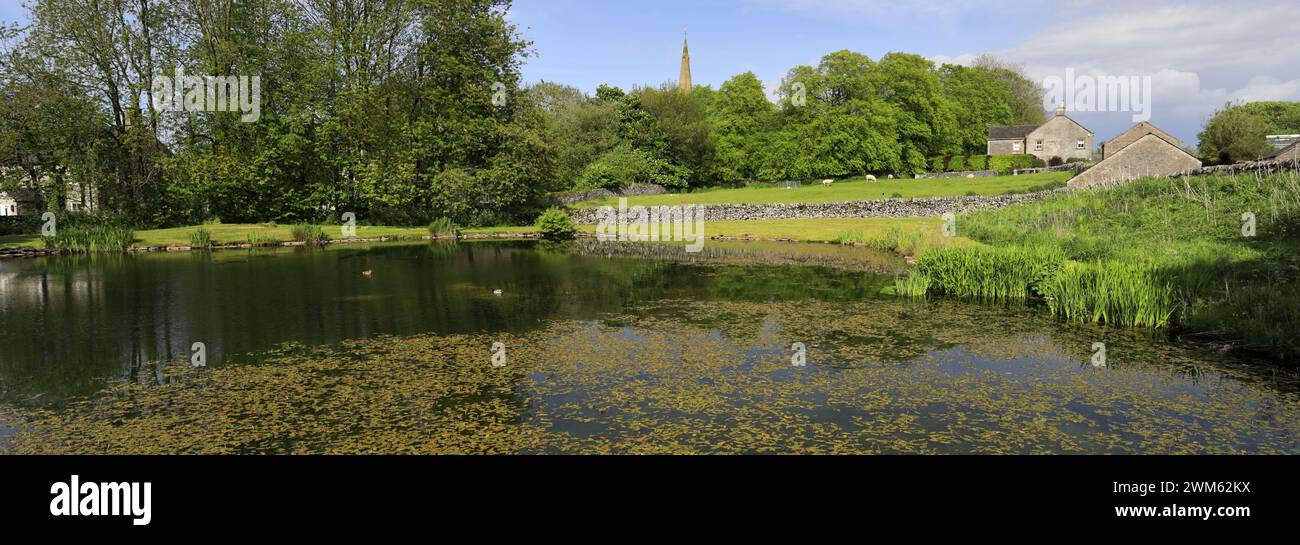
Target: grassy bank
{"type": "Point", "coordinates": [260, 234]}
{"type": "Point", "coordinates": [1154, 252]}
{"type": "Point", "coordinates": [855, 189]}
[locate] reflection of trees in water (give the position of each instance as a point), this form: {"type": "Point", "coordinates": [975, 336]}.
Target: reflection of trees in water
{"type": "Point", "coordinates": [69, 322]}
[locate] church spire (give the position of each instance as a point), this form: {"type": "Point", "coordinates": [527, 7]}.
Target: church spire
{"type": "Point", "coordinates": [684, 81]}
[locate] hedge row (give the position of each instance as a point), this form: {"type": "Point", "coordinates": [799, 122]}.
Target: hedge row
{"type": "Point", "coordinates": [1004, 164]}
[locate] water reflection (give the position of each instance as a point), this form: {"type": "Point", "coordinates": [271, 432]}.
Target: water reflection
{"type": "Point", "coordinates": [68, 323]}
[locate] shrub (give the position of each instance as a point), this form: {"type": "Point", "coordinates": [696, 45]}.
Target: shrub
{"type": "Point", "coordinates": [201, 238]}
{"type": "Point", "coordinates": [1074, 160]}
{"type": "Point", "coordinates": [556, 224]}
{"type": "Point", "coordinates": [312, 235]}
{"type": "Point", "coordinates": [443, 228]}
{"type": "Point", "coordinates": [1055, 161]}
{"type": "Point", "coordinates": [624, 165]}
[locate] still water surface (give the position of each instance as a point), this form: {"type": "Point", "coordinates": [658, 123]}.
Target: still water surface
{"type": "Point", "coordinates": [603, 353]}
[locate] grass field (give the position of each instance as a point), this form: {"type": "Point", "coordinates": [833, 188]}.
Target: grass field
{"type": "Point", "coordinates": [854, 189]}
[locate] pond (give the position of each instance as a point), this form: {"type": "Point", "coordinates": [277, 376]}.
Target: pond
{"type": "Point", "coordinates": [519, 347]}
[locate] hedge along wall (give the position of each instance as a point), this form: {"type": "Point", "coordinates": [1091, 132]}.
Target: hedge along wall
{"type": "Point", "coordinates": [957, 163]}
{"type": "Point", "coordinates": [1004, 164]}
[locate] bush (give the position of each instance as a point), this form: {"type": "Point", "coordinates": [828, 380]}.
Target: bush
{"type": "Point", "coordinates": [556, 224]}
{"type": "Point", "coordinates": [1055, 161]}
{"type": "Point", "coordinates": [1074, 160]}
{"type": "Point", "coordinates": [1004, 164]}
{"type": "Point", "coordinates": [623, 166]}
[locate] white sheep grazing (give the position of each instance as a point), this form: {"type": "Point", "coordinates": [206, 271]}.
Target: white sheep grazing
{"type": "Point", "coordinates": [891, 176]}
{"type": "Point", "coordinates": [828, 183]}
{"type": "Point", "coordinates": [871, 178]}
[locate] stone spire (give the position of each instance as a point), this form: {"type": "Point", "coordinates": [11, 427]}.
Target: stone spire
{"type": "Point", "coordinates": [684, 81]}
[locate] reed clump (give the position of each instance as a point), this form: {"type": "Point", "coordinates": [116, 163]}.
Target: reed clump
{"type": "Point", "coordinates": [312, 235]}
{"type": "Point", "coordinates": [90, 239]}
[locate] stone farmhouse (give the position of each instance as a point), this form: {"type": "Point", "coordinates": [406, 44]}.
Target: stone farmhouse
{"type": "Point", "coordinates": [1289, 153]}
{"type": "Point", "coordinates": [1060, 137]}
{"type": "Point", "coordinates": [20, 202]}
{"type": "Point", "coordinates": [1143, 150]}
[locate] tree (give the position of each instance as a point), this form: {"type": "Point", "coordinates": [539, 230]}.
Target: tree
{"type": "Point", "coordinates": [1234, 134]}
{"type": "Point", "coordinates": [1026, 94]}
{"type": "Point", "coordinates": [741, 116]}
{"type": "Point", "coordinates": [684, 122]}
{"type": "Point", "coordinates": [925, 121]}
{"type": "Point", "coordinates": [978, 100]}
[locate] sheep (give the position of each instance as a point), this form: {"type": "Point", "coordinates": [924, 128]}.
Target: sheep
{"type": "Point", "coordinates": [871, 178]}
{"type": "Point", "coordinates": [828, 183]}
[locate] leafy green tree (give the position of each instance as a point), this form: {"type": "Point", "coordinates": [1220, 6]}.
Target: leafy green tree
{"type": "Point", "coordinates": [742, 118]}
{"type": "Point", "coordinates": [1234, 134]}
{"type": "Point", "coordinates": [685, 124]}
{"type": "Point", "coordinates": [1026, 94]}
{"type": "Point", "coordinates": [978, 100]}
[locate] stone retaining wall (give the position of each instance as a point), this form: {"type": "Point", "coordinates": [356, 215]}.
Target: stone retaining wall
{"type": "Point", "coordinates": [631, 190]}
{"type": "Point", "coordinates": [892, 208]}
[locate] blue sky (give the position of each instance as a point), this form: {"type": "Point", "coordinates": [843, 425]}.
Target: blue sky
{"type": "Point", "coordinates": [1199, 54]}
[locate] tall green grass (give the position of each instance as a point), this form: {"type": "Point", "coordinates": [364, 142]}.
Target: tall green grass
{"type": "Point", "coordinates": [849, 238]}
{"type": "Point", "coordinates": [312, 235]}
{"type": "Point", "coordinates": [914, 285]}
{"type": "Point", "coordinates": [201, 238]}
{"type": "Point", "coordinates": [902, 242]}
{"type": "Point", "coordinates": [89, 239]}
{"type": "Point", "coordinates": [443, 228]}
{"type": "Point", "coordinates": [1112, 292]}
{"type": "Point", "coordinates": [989, 273]}
{"type": "Point", "coordinates": [1155, 252]}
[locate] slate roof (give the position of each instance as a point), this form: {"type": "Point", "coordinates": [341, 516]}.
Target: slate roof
{"type": "Point", "coordinates": [1011, 132]}
{"type": "Point", "coordinates": [1279, 153]}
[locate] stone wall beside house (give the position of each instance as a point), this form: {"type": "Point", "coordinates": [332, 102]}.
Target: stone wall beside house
{"type": "Point", "coordinates": [1150, 155]}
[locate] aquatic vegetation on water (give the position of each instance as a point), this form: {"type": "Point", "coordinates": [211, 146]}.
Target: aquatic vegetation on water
{"type": "Point", "coordinates": [680, 376]}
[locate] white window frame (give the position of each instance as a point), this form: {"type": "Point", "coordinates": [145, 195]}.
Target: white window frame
{"type": "Point", "coordinates": [1015, 146]}
{"type": "Point", "coordinates": [1081, 144]}
{"type": "Point", "coordinates": [1038, 145]}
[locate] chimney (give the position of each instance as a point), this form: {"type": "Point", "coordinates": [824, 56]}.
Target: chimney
{"type": "Point", "coordinates": [1060, 110]}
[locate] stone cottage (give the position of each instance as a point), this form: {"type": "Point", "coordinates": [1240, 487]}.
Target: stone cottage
{"type": "Point", "coordinates": [1132, 135]}
{"type": "Point", "coordinates": [1059, 137]}
{"type": "Point", "coordinates": [19, 202]}
{"type": "Point", "coordinates": [1143, 150]}
{"type": "Point", "coordinates": [1289, 153]}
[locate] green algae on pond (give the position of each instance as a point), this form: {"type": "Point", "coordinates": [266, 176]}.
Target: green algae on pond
{"type": "Point", "coordinates": [691, 376]}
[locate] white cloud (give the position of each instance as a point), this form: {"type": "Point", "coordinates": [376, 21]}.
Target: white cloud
{"type": "Point", "coordinates": [1199, 55]}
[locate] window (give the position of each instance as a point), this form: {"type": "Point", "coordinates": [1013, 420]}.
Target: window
{"type": "Point", "coordinates": [1080, 144]}
{"type": "Point", "coordinates": [1038, 146]}
{"type": "Point", "coordinates": [1015, 146]}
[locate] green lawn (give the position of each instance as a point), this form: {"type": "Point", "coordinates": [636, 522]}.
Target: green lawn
{"type": "Point", "coordinates": [854, 189]}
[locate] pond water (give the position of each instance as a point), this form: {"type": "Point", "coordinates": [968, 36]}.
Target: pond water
{"type": "Point", "coordinates": [749, 348]}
